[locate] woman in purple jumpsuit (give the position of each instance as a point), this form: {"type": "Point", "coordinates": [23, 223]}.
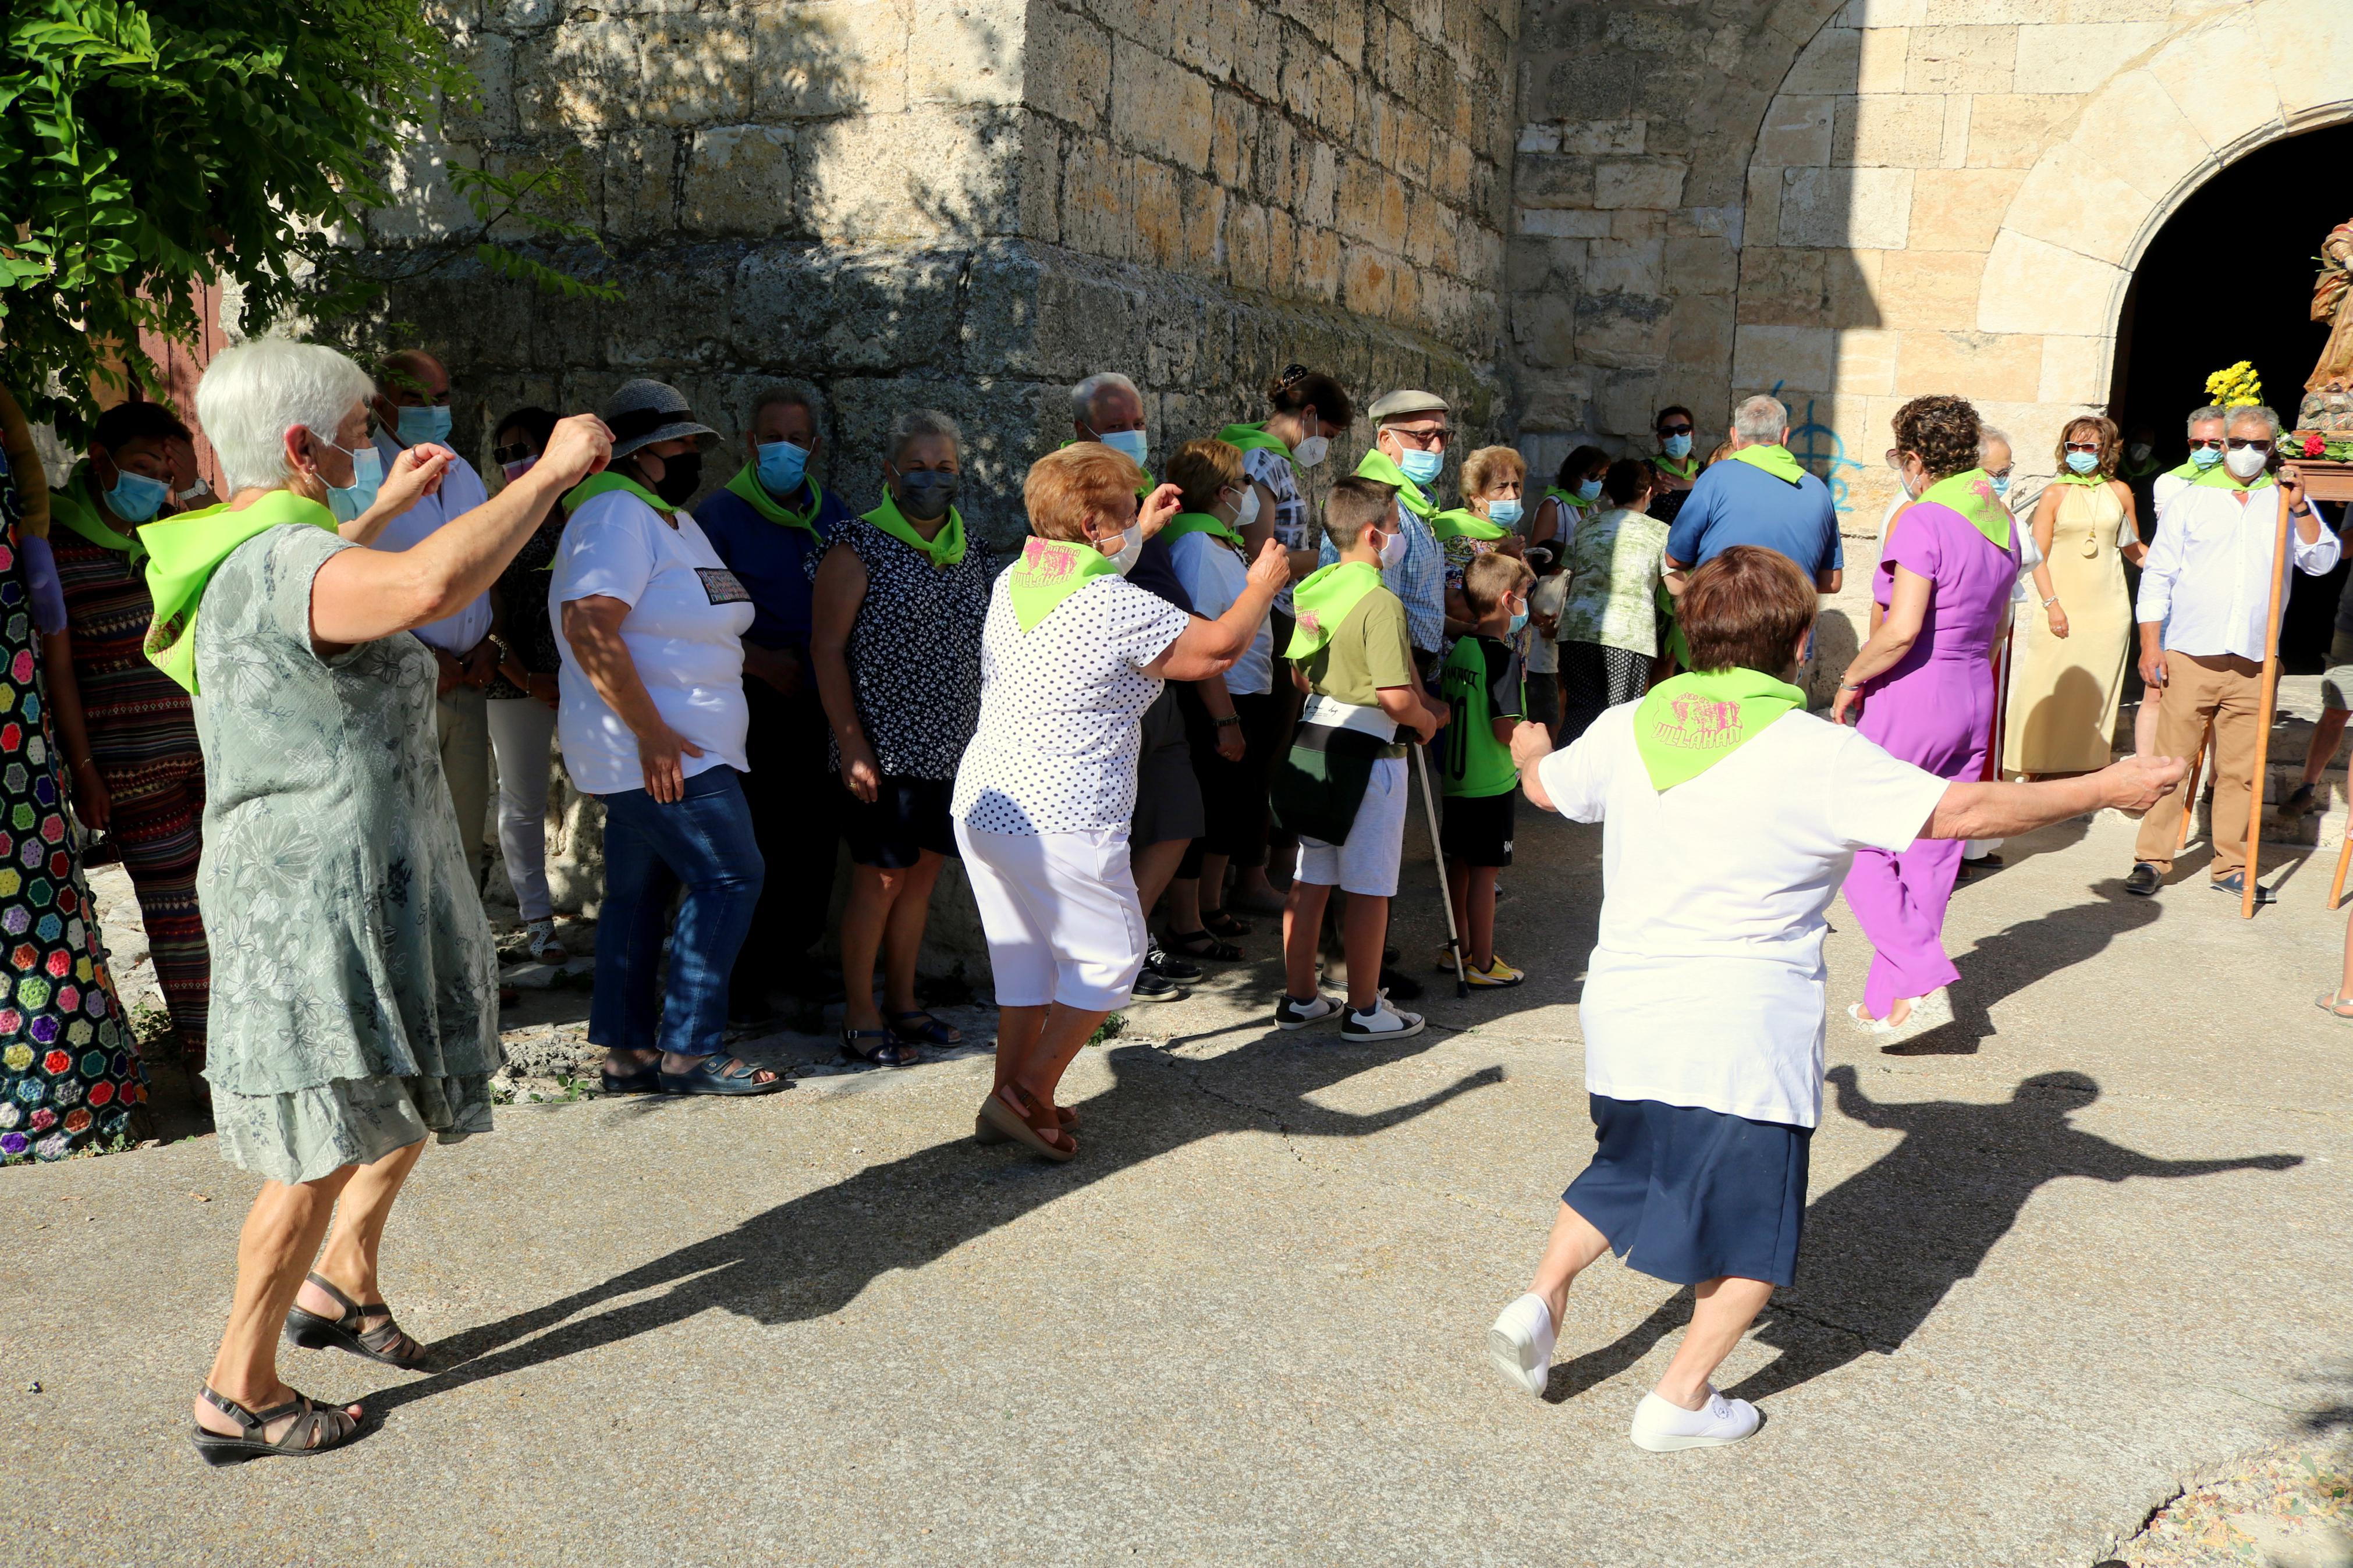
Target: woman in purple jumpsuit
{"type": "Point", "coordinates": [1924, 686]}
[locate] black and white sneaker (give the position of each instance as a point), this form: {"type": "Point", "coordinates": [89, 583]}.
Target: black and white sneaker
{"type": "Point", "coordinates": [1382, 1023]}
{"type": "Point", "coordinates": [1291, 1014]}
{"type": "Point", "coordinates": [1152, 986]}
{"type": "Point", "coordinates": [1159, 960]}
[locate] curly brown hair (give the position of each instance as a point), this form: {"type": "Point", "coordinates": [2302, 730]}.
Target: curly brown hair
{"type": "Point", "coordinates": [2098, 427]}
{"type": "Point", "coordinates": [1942, 431]}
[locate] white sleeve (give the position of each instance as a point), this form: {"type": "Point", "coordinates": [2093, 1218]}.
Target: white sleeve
{"type": "Point", "coordinates": [604, 555]}
{"type": "Point", "coordinates": [1195, 561]}
{"type": "Point", "coordinates": [1876, 800]}
{"type": "Point", "coordinates": [1578, 776]}
{"type": "Point", "coordinates": [1142, 625]}
{"type": "Point", "coordinates": [2162, 564]}
{"type": "Point", "coordinates": [461, 489]}
{"type": "Point", "coordinates": [2319, 558]}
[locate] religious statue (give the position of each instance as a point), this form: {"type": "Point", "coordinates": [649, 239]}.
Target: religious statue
{"type": "Point", "coordinates": [2328, 395]}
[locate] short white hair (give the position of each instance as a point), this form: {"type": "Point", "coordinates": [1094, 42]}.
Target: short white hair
{"type": "Point", "coordinates": [1760, 419]}
{"type": "Point", "coordinates": [2249, 412]}
{"type": "Point", "coordinates": [251, 395]}
{"type": "Point", "coordinates": [917, 423]}
{"type": "Point", "coordinates": [1083, 396]}
{"type": "Point", "coordinates": [2203, 416]}
{"type": "Point", "coordinates": [1987, 436]}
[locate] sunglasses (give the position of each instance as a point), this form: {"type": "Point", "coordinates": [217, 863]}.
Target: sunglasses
{"type": "Point", "coordinates": [2091, 446]}
{"type": "Point", "coordinates": [1424, 440]}
{"type": "Point", "coordinates": [2212, 444]}
{"type": "Point", "coordinates": [521, 451]}
{"type": "Point", "coordinates": [2240, 443]}
{"type": "Point", "coordinates": [1675, 429]}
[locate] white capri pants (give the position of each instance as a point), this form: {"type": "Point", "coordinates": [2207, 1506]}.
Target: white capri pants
{"type": "Point", "coordinates": [1060, 913]}
{"type": "Point", "coordinates": [522, 734]}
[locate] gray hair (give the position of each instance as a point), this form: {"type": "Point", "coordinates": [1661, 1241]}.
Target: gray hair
{"type": "Point", "coordinates": [1760, 419]}
{"type": "Point", "coordinates": [2233, 418]}
{"type": "Point", "coordinates": [1987, 436]}
{"type": "Point", "coordinates": [2200, 415]}
{"type": "Point", "coordinates": [781, 397]}
{"type": "Point", "coordinates": [252, 395]}
{"type": "Point", "coordinates": [1083, 396]}
{"type": "Point", "coordinates": [917, 423]}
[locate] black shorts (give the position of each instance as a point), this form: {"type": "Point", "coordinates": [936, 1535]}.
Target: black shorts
{"type": "Point", "coordinates": [908, 815]}
{"type": "Point", "coordinates": [1477, 828]}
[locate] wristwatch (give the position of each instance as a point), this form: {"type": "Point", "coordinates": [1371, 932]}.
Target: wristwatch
{"type": "Point", "coordinates": [1229, 719]}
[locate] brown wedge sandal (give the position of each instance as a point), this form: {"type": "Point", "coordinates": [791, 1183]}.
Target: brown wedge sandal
{"type": "Point", "coordinates": [1028, 1125]}
{"type": "Point", "coordinates": [316, 1429]}
{"type": "Point", "coordinates": [984, 1133]}
{"type": "Point", "coordinates": [384, 1342]}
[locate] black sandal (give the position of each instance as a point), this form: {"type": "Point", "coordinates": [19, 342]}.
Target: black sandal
{"type": "Point", "coordinates": [1218, 922]}
{"type": "Point", "coordinates": [647, 1079]}
{"type": "Point", "coordinates": [711, 1075]}
{"type": "Point", "coordinates": [383, 1344]}
{"type": "Point", "coordinates": [891, 1053]}
{"type": "Point", "coordinates": [919, 1028]}
{"type": "Point", "coordinates": [330, 1425]}
{"type": "Point", "coordinates": [1201, 944]}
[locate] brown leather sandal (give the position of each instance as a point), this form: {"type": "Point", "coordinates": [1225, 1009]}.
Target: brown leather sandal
{"type": "Point", "coordinates": [384, 1342]}
{"type": "Point", "coordinates": [1038, 1128]}
{"type": "Point", "coordinates": [316, 1429]}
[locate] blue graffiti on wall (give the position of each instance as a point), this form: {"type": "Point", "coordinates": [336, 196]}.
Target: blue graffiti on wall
{"type": "Point", "coordinates": [1806, 439]}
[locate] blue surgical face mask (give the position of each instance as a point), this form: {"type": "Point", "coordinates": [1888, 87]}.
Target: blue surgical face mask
{"type": "Point", "coordinates": [135, 498]}
{"type": "Point", "coordinates": [421, 425]}
{"type": "Point", "coordinates": [349, 502]}
{"type": "Point", "coordinates": [1676, 446]}
{"type": "Point", "coordinates": [2083, 462]}
{"type": "Point", "coordinates": [1519, 620]}
{"type": "Point", "coordinates": [1421, 466]}
{"type": "Point", "coordinates": [1503, 513]}
{"type": "Point", "coordinates": [2001, 484]}
{"type": "Point", "coordinates": [1589, 490]}
{"type": "Point", "coordinates": [782, 467]}
{"type": "Point", "coordinates": [1129, 444]}
{"type": "Point", "coordinates": [2205, 457]}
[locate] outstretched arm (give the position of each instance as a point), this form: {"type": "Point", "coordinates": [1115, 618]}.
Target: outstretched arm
{"type": "Point", "coordinates": [1857, 1106]}
{"type": "Point", "coordinates": [1355, 1125]}
{"type": "Point", "coordinates": [1972, 810]}
{"type": "Point", "coordinates": [2128, 1163]}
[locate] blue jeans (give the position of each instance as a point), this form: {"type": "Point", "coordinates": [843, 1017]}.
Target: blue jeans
{"type": "Point", "coordinates": [702, 841]}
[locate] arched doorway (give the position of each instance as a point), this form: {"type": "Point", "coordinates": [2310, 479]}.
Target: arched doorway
{"type": "Point", "coordinates": [2230, 277]}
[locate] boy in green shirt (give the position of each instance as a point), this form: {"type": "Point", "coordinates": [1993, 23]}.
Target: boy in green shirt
{"type": "Point", "coordinates": [1343, 788]}
{"type": "Point", "coordinates": [1485, 703]}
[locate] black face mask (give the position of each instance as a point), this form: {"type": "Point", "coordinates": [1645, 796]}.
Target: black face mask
{"type": "Point", "coordinates": [682, 477]}
{"type": "Point", "coordinates": [926, 494]}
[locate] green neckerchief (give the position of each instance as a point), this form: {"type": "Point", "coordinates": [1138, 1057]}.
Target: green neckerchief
{"type": "Point", "coordinates": [1971, 495]}
{"type": "Point", "coordinates": [1322, 600]}
{"type": "Point", "coordinates": [1379, 465]}
{"type": "Point", "coordinates": [746, 484]}
{"type": "Point", "coordinates": [2071, 477]}
{"type": "Point", "coordinates": [2219, 477]}
{"type": "Point", "coordinates": [2187, 470]}
{"type": "Point", "coordinates": [1253, 438]}
{"type": "Point", "coordinates": [1666, 465]}
{"type": "Point", "coordinates": [77, 505]}
{"type": "Point", "coordinates": [943, 551]}
{"type": "Point", "coordinates": [1569, 500]}
{"type": "Point", "coordinates": [1461, 522]}
{"type": "Point", "coordinates": [1051, 570]}
{"type": "Point", "coordinates": [596, 485]}
{"type": "Point", "coordinates": [1773, 460]}
{"type": "Point", "coordinates": [1690, 723]}
{"type": "Point", "coordinates": [183, 553]}
{"type": "Point", "coordinates": [1185, 522]}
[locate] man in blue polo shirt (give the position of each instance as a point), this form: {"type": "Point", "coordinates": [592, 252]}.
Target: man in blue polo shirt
{"type": "Point", "coordinates": [772, 524]}
{"type": "Point", "coordinates": [1759, 496]}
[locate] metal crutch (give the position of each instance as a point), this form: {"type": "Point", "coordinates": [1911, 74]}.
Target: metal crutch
{"type": "Point", "coordinates": [1445, 893]}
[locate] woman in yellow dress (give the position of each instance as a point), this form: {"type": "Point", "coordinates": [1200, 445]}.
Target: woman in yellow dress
{"type": "Point", "coordinates": [2071, 651]}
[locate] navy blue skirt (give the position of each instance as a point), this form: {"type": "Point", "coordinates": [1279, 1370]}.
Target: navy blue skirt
{"type": "Point", "coordinates": [1686, 1194]}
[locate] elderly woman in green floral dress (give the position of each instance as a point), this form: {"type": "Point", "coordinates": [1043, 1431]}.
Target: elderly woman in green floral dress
{"type": "Point", "coordinates": [353, 992]}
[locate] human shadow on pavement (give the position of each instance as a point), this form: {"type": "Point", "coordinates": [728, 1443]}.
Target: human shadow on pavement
{"type": "Point", "coordinates": [1884, 1248]}
{"type": "Point", "coordinates": [2021, 954]}
{"type": "Point", "coordinates": [812, 1256]}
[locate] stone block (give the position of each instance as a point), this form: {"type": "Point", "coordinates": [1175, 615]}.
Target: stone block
{"type": "Point", "coordinates": [1960, 209]}
{"type": "Point", "coordinates": [1233, 138]}
{"type": "Point", "coordinates": [967, 52]}
{"type": "Point", "coordinates": [1617, 137]}
{"type": "Point", "coordinates": [2003, 366]}
{"type": "Point", "coordinates": [2077, 370]}
{"type": "Point", "coordinates": [1066, 71]}
{"type": "Point", "coordinates": [1898, 131]}
{"type": "Point", "coordinates": [1883, 58]}
{"type": "Point", "coordinates": [695, 68]}
{"type": "Point", "coordinates": [1319, 264]}
{"type": "Point", "coordinates": [1637, 266]}
{"type": "Point", "coordinates": [1699, 339]}
{"type": "Point", "coordinates": [1869, 208]}
{"type": "Point", "coordinates": [1957, 131]}
{"type": "Point", "coordinates": [1554, 401]}
{"type": "Point", "coordinates": [567, 180]}
{"type": "Point", "coordinates": [641, 183]}
{"type": "Point", "coordinates": [1282, 253]}
{"type": "Point", "coordinates": [2135, 129]}
{"type": "Point", "coordinates": [583, 76]}
{"type": "Point", "coordinates": [1246, 243]}
{"type": "Point", "coordinates": [1931, 289]}
{"type": "Point", "coordinates": [1096, 197]}
{"type": "Point", "coordinates": [1204, 205]}
{"type": "Point", "coordinates": [1796, 132]}
{"type": "Point", "coordinates": [1543, 137]}
{"type": "Point", "coordinates": [1157, 215]}
{"type": "Point", "coordinates": [1960, 60]}
{"type": "Point", "coordinates": [2229, 49]}
{"type": "Point", "coordinates": [1039, 313]}
{"type": "Point", "coordinates": [1553, 180]}
{"type": "Point", "coordinates": [2310, 47]}
{"type": "Point", "coordinates": [1701, 263]}
{"type": "Point", "coordinates": [1984, 12]}
{"type": "Point", "coordinates": [1784, 286]}
{"type": "Point", "coordinates": [489, 110]}
{"type": "Point", "coordinates": [1638, 223]}
{"type": "Point", "coordinates": [1761, 211]}
{"type": "Point", "coordinates": [739, 181]}
{"type": "Point", "coordinates": [1653, 182]}
{"type": "Point", "coordinates": [421, 209]}
{"type": "Point", "coordinates": [2009, 130]}
{"type": "Point", "coordinates": [1622, 331]}
{"type": "Point", "coordinates": [2032, 286]}
{"type": "Point", "coordinates": [2073, 198]}
{"type": "Point", "coordinates": [1364, 280]}
{"type": "Point", "coordinates": [1798, 357]}
{"type": "Point", "coordinates": [1038, 178]}
{"type": "Point", "coordinates": [817, 58]}
{"type": "Point", "coordinates": [1159, 107]}
{"type": "Point", "coordinates": [827, 308]}
{"type": "Point", "coordinates": [2079, 57]}
{"type": "Point", "coordinates": [916, 176]}
{"type": "Point", "coordinates": [1543, 326]}
{"type": "Point", "coordinates": [676, 311]}
{"type": "Point", "coordinates": [1850, 284]}
{"type": "Point", "coordinates": [1318, 197]}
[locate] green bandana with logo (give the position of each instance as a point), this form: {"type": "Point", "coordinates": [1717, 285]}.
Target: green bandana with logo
{"type": "Point", "coordinates": [1185, 522]}
{"type": "Point", "coordinates": [1461, 522]}
{"type": "Point", "coordinates": [1379, 465]}
{"type": "Point", "coordinates": [746, 484]}
{"type": "Point", "coordinates": [942, 552]}
{"type": "Point", "coordinates": [1690, 723]}
{"type": "Point", "coordinates": [1253, 438]}
{"type": "Point", "coordinates": [1773, 460]}
{"type": "Point", "coordinates": [1971, 495]}
{"type": "Point", "coordinates": [1051, 570]}
{"type": "Point", "coordinates": [2219, 477]}
{"type": "Point", "coordinates": [1322, 600]}
{"type": "Point", "coordinates": [77, 505]}
{"type": "Point", "coordinates": [606, 483]}
{"type": "Point", "coordinates": [183, 553]}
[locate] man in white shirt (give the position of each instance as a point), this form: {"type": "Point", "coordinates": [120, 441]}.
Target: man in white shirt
{"type": "Point", "coordinates": [412, 408]}
{"type": "Point", "coordinates": [2204, 613]}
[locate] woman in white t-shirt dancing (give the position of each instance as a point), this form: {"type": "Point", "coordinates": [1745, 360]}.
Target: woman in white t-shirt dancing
{"type": "Point", "coordinates": [1731, 816]}
{"type": "Point", "coordinates": [652, 716]}
{"type": "Point", "coordinates": [1071, 656]}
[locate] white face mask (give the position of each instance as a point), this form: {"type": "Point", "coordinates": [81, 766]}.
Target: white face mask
{"type": "Point", "coordinates": [1392, 549]}
{"type": "Point", "coordinates": [1122, 549]}
{"type": "Point", "coordinates": [1246, 509]}
{"type": "Point", "coordinates": [2245, 462]}
{"type": "Point", "coordinates": [1310, 452]}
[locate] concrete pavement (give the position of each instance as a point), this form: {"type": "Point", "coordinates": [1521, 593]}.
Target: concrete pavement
{"type": "Point", "coordinates": [2086, 1241]}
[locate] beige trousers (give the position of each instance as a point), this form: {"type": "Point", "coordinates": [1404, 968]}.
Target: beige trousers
{"type": "Point", "coordinates": [464, 721]}
{"type": "Point", "coordinates": [2228, 691]}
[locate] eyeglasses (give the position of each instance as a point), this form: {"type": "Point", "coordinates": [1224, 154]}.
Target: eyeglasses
{"type": "Point", "coordinates": [1675, 429]}
{"type": "Point", "coordinates": [2091, 446]}
{"type": "Point", "coordinates": [2212, 444]}
{"type": "Point", "coordinates": [2240, 443]}
{"type": "Point", "coordinates": [1424, 440]}
{"type": "Point", "coordinates": [516, 453]}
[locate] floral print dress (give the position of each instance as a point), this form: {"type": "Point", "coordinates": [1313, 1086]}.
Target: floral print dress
{"type": "Point", "coordinates": [71, 1077]}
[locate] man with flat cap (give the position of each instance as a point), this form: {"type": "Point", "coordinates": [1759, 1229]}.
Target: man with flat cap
{"type": "Point", "coordinates": [1409, 448]}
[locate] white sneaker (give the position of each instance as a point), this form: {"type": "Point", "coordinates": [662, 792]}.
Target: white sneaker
{"type": "Point", "coordinates": [1382, 1023]}
{"type": "Point", "coordinates": [1521, 1343]}
{"type": "Point", "coordinates": [1664, 1427]}
{"type": "Point", "coordinates": [1291, 1014]}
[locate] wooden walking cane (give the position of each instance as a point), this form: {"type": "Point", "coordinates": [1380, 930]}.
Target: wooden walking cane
{"type": "Point", "coordinates": [2281, 566]}
{"type": "Point", "coordinates": [2344, 859]}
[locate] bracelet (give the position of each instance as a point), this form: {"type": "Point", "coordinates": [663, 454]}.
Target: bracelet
{"type": "Point", "coordinates": [2051, 601]}
{"type": "Point", "coordinates": [85, 763]}
{"type": "Point", "coordinates": [1851, 686]}
{"type": "Point", "coordinates": [1229, 719]}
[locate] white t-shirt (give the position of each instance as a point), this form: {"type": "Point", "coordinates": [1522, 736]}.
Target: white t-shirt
{"type": "Point", "coordinates": [1056, 749]}
{"type": "Point", "coordinates": [684, 630]}
{"type": "Point", "coordinates": [461, 491]}
{"type": "Point", "coordinates": [1215, 577]}
{"type": "Point", "coordinates": [1548, 598]}
{"type": "Point", "coordinates": [1706, 986]}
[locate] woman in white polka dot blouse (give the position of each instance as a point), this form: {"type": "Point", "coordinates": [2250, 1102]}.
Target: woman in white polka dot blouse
{"type": "Point", "coordinates": [1071, 656]}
